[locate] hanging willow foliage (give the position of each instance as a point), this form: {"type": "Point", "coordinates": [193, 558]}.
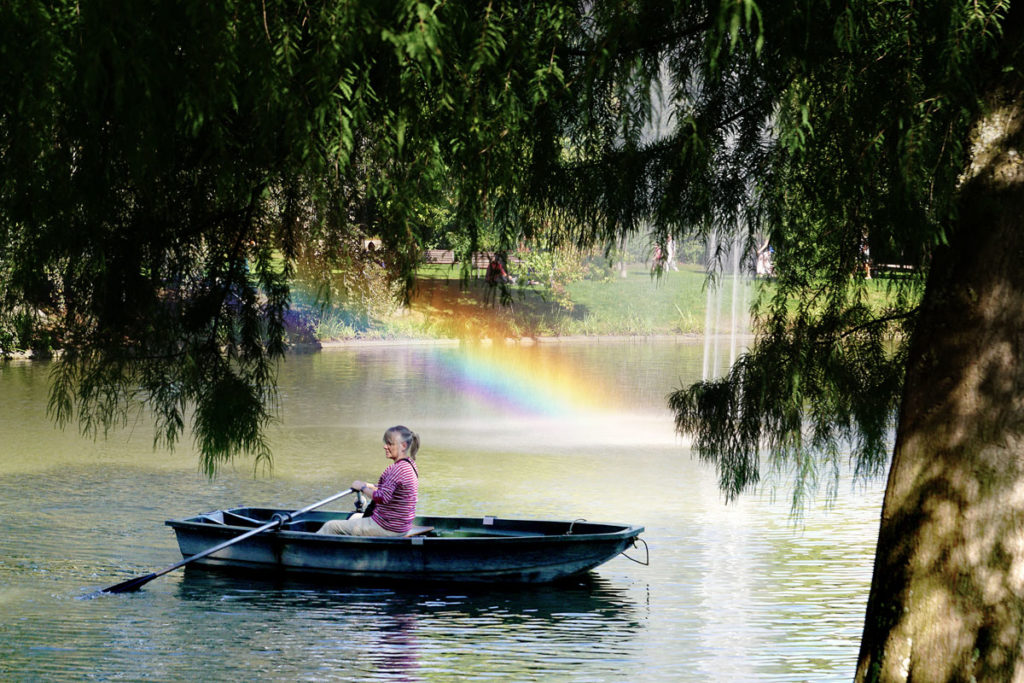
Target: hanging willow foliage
{"type": "Point", "coordinates": [163, 169]}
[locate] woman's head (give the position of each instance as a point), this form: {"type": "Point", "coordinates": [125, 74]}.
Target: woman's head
{"type": "Point", "coordinates": [403, 435]}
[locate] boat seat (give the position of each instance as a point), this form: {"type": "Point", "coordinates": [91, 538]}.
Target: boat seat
{"type": "Point", "coordinates": [231, 517]}
{"type": "Point", "coordinates": [213, 518]}
{"type": "Point", "coordinates": [419, 531]}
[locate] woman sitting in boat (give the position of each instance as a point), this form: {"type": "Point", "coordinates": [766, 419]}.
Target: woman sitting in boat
{"type": "Point", "coordinates": [394, 497]}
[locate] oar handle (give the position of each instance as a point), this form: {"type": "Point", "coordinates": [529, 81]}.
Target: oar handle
{"type": "Point", "coordinates": [321, 503]}
{"type": "Point", "coordinates": [278, 521]}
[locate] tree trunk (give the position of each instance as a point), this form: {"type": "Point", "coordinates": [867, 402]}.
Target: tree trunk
{"type": "Point", "coordinates": [947, 595]}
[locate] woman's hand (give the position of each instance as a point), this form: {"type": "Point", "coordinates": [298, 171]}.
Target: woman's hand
{"type": "Point", "coordinates": [363, 487]}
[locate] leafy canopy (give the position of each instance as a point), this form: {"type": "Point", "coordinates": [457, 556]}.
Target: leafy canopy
{"type": "Point", "coordinates": [856, 119]}
{"type": "Point", "coordinates": [162, 169]}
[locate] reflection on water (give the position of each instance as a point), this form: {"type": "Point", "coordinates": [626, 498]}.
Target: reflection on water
{"type": "Point", "coordinates": [405, 631]}
{"type": "Point", "coordinates": [732, 592]}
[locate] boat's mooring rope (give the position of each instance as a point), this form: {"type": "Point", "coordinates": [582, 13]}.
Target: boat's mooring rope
{"type": "Point", "coordinates": [569, 532]}
{"type": "Point", "coordinates": [647, 552]}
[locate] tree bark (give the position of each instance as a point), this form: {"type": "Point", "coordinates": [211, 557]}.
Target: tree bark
{"type": "Point", "coordinates": [947, 595]}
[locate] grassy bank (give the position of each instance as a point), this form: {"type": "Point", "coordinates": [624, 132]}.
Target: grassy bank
{"type": "Point", "coordinates": [443, 305]}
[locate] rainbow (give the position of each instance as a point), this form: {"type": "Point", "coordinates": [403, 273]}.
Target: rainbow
{"type": "Point", "coordinates": [524, 380]}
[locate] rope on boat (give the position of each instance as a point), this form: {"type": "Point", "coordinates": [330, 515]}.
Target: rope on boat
{"type": "Point", "coordinates": [569, 532]}
{"type": "Point", "coordinates": [647, 552]}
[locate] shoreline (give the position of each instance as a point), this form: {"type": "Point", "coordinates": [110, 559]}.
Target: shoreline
{"type": "Point", "coordinates": [354, 343]}
{"type": "Point", "coordinates": [508, 341]}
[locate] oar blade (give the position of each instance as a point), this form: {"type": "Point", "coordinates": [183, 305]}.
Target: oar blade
{"type": "Point", "coordinates": [130, 585]}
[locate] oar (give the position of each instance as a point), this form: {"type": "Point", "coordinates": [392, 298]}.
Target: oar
{"type": "Point", "coordinates": [278, 521]}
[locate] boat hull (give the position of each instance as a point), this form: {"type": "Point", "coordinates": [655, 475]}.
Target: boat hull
{"type": "Point", "coordinates": [457, 549]}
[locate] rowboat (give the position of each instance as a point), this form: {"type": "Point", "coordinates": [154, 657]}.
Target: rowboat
{"type": "Point", "coordinates": [441, 549]}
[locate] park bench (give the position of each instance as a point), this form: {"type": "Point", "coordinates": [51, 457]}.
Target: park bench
{"type": "Point", "coordinates": [445, 257]}
{"type": "Point", "coordinates": [891, 269]}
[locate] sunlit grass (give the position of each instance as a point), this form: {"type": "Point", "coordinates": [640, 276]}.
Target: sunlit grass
{"type": "Point", "coordinates": [446, 305]}
{"type": "Point", "coordinates": [640, 303]}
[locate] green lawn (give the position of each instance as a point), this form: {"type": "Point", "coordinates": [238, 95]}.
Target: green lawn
{"type": "Point", "coordinates": [673, 303]}
{"type": "Point", "coordinates": [444, 305]}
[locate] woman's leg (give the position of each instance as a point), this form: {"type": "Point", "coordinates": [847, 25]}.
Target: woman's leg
{"type": "Point", "coordinates": [335, 527]}
{"type": "Point", "coordinates": [356, 526]}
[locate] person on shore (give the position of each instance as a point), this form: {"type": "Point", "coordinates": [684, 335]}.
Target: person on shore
{"type": "Point", "coordinates": [496, 273]}
{"type": "Point", "coordinates": [658, 263]}
{"type": "Point", "coordinates": [393, 504]}
{"type": "Point", "coordinates": [670, 253]}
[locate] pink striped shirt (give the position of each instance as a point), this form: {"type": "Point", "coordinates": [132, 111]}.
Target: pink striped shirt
{"type": "Point", "coordinates": [395, 497]}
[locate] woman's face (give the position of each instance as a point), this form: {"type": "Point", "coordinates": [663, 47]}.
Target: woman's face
{"type": "Point", "coordinates": [393, 451]}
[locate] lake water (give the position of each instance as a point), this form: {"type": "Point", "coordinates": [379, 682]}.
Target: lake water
{"type": "Point", "coordinates": [733, 592]}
